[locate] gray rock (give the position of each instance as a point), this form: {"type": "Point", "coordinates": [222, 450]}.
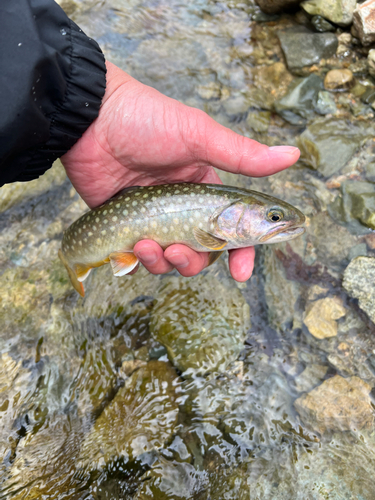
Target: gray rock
{"type": "Point", "coordinates": [141, 417]}
{"type": "Point", "coordinates": [276, 6]}
{"type": "Point", "coordinates": [370, 171]}
{"type": "Point", "coordinates": [364, 21]}
{"type": "Point", "coordinates": [355, 207]}
{"type": "Point", "coordinates": [321, 24]}
{"type": "Point", "coordinates": [304, 48]}
{"type": "Point", "coordinates": [329, 143]}
{"type": "Point", "coordinates": [202, 331]}
{"type": "Point", "coordinates": [338, 11]}
{"type": "Point", "coordinates": [325, 103]}
{"type": "Point", "coordinates": [298, 104]}
{"type": "Point", "coordinates": [359, 279]}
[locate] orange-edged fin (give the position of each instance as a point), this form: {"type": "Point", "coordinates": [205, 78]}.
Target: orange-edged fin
{"type": "Point", "coordinates": [82, 271]}
{"type": "Point", "coordinates": [122, 262]}
{"type": "Point", "coordinates": [208, 240]}
{"type": "Point", "coordinates": [213, 257]}
{"type": "Point", "coordinates": [72, 275]}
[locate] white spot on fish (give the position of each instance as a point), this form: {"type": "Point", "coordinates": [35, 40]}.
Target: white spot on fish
{"type": "Point", "coordinates": [104, 232]}
{"type": "Point", "coordinates": [127, 199]}
{"type": "Point", "coordinates": [165, 229]}
{"type": "Point", "coordinates": [200, 225]}
{"type": "Point", "coordinates": [90, 233]}
{"type": "Point", "coordinates": [94, 228]}
{"type": "Point", "coordinates": [143, 209]}
{"type": "Point", "coordinates": [84, 226]}
{"type": "Point", "coordinates": [150, 188]}
{"type": "Point", "coordinates": [145, 195]}
{"type": "Point", "coordinates": [80, 230]}
{"type": "Point", "coordinates": [125, 212]}
{"type": "Point", "coordinates": [200, 199]}
{"type": "Point", "coordinates": [97, 219]}
{"type": "Point", "coordinates": [186, 227]}
{"type": "Point", "coordinates": [85, 240]}
{"type": "Point", "coordinates": [135, 203]}
{"type": "Point", "coordinates": [137, 194]}
{"type": "Point", "coordinates": [186, 189]}
{"type": "Point", "coordinates": [114, 218]}
{"type": "Point", "coordinates": [191, 220]}
{"type": "Point", "coordinates": [112, 228]}
{"type": "Point", "coordinates": [154, 223]}
{"type": "Point", "coordinates": [105, 221]}
{"type": "Point", "coordinates": [159, 191]}
{"type": "Point", "coordinates": [111, 211]}
{"type": "Point", "coordinates": [104, 212]}
{"type": "Point", "coordinates": [118, 205]}
{"type": "Point", "coordinates": [126, 230]}
{"type": "Point", "coordinates": [137, 233]}
{"type": "Point", "coordinates": [192, 194]}
{"type": "Point", "coordinates": [175, 220]}
{"type": "Point", "coordinates": [98, 241]}
{"type": "Point", "coordinates": [111, 203]}
{"type": "Point", "coordinates": [80, 243]}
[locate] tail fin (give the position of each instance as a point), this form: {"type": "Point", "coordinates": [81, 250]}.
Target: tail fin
{"type": "Point", "coordinates": [72, 275]}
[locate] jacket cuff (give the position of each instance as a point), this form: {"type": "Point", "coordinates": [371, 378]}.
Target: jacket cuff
{"type": "Point", "coordinates": [85, 89]}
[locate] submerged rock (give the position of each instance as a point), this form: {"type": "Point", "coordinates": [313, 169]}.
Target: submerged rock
{"type": "Point", "coordinates": [339, 79]}
{"type": "Point", "coordinates": [329, 143]}
{"type": "Point", "coordinates": [201, 330]}
{"type": "Point", "coordinates": [321, 317]}
{"type": "Point", "coordinates": [259, 120]}
{"type": "Point", "coordinates": [338, 11]}
{"type": "Point", "coordinates": [325, 104]}
{"type": "Point", "coordinates": [355, 207]}
{"type": "Point", "coordinates": [321, 24]}
{"type": "Point", "coordinates": [338, 404]}
{"type": "Point", "coordinates": [311, 376]}
{"type": "Point", "coordinates": [305, 48]}
{"type": "Point", "coordinates": [298, 104]}
{"type": "Point", "coordinates": [364, 21]}
{"type": "Point", "coordinates": [371, 62]}
{"type": "Point", "coordinates": [141, 417]}
{"type": "Point", "coordinates": [276, 6]}
{"type": "Point", "coordinates": [359, 279]}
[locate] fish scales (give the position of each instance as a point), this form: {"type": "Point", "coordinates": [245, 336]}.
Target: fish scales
{"type": "Point", "coordinates": [205, 217]}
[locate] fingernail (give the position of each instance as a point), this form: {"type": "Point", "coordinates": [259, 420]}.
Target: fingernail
{"type": "Point", "coordinates": [284, 149]}
{"type": "Point", "coordinates": [179, 260]}
{"type": "Point", "coordinates": [147, 257]}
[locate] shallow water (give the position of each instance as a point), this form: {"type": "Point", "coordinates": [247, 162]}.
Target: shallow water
{"type": "Point", "coordinates": [93, 400]}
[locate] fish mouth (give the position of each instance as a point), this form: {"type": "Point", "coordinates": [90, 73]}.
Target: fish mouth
{"type": "Point", "coordinates": [283, 234]}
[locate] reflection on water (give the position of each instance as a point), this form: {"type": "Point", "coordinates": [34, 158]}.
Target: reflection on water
{"type": "Point", "coordinates": [106, 397]}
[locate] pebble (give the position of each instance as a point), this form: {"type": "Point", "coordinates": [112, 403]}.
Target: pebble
{"type": "Point", "coordinates": [338, 404]}
{"type": "Point", "coordinates": [321, 317]}
{"type": "Point", "coordinates": [371, 62]}
{"type": "Point", "coordinates": [359, 279]}
{"type": "Point", "coordinates": [321, 24]}
{"type": "Point", "coordinates": [339, 80]}
{"type": "Point", "coordinates": [364, 21]}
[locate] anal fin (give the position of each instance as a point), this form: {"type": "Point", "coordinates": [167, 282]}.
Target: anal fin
{"type": "Point", "coordinates": [72, 275]}
{"type": "Point", "coordinates": [213, 256]}
{"type": "Point", "coordinates": [122, 262]}
{"type": "Point", "coordinates": [208, 240]}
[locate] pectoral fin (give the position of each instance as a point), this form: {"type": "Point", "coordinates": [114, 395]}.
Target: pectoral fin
{"type": "Point", "coordinates": [208, 240]}
{"type": "Point", "coordinates": [72, 275]}
{"type": "Point", "coordinates": [122, 262]}
{"type": "Point", "coordinates": [213, 257]}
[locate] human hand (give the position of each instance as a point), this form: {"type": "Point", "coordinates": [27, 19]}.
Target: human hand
{"type": "Point", "coordinates": [142, 137]}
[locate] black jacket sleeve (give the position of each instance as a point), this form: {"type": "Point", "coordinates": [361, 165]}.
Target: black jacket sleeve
{"type": "Point", "coordinates": [52, 80]}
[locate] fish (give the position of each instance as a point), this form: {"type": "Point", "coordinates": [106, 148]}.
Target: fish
{"type": "Point", "coordinates": [205, 217]}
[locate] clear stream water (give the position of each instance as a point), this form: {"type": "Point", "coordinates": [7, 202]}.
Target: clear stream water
{"type": "Point", "coordinates": [160, 387]}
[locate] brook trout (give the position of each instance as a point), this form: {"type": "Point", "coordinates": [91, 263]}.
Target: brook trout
{"type": "Point", "coordinates": [205, 217]}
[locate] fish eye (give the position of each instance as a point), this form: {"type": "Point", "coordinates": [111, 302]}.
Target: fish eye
{"type": "Point", "coordinates": [275, 215]}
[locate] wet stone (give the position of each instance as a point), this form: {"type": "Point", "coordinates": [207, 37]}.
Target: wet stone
{"type": "Point", "coordinates": [305, 48]}
{"type": "Point", "coordinates": [355, 207]}
{"type": "Point", "coordinates": [259, 121]}
{"type": "Point", "coordinates": [321, 24]}
{"type": "Point", "coordinates": [202, 332]}
{"type": "Point", "coordinates": [329, 143]}
{"type": "Point", "coordinates": [297, 106]}
{"type": "Point", "coordinates": [339, 80]}
{"type": "Point", "coordinates": [276, 6]}
{"type": "Point", "coordinates": [311, 376]}
{"type": "Point", "coordinates": [321, 315]}
{"type": "Point", "coordinates": [141, 417]}
{"type": "Point", "coordinates": [371, 62]}
{"type": "Point", "coordinates": [370, 171]}
{"type": "Point", "coordinates": [338, 11]}
{"type": "Point", "coordinates": [364, 21]}
{"type": "Point", "coordinates": [359, 279]}
{"type": "Point", "coordinates": [325, 104]}
{"type": "Point", "coordinates": [339, 404]}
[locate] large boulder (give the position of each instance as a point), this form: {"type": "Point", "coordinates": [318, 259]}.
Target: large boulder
{"type": "Point", "coordinates": [338, 11]}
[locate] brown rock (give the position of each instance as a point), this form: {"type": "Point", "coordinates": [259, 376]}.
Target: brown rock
{"type": "Point", "coordinates": [339, 404]}
{"type": "Point", "coordinates": [276, 6]}
{"type": "Point", "coordinates": [339, 79]}
{"type": "Point", "coordinates": [364, 21]}
{"type": "Point", "coordinates": [321, 317]}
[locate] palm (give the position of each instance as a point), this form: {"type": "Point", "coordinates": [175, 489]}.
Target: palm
{"type": "Point", "coordinates": [142, 137]}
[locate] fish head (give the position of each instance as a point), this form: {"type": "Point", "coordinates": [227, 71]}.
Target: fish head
{"type": "Point", "coordinates": [258, 219]}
